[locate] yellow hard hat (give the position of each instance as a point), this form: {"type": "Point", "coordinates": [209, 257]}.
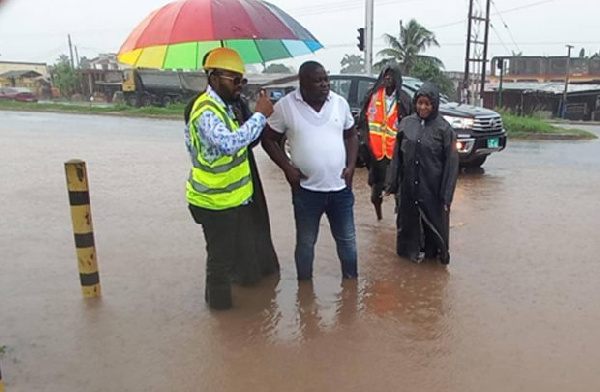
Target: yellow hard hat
{"type": "Point", "coordinates": [224, 58]}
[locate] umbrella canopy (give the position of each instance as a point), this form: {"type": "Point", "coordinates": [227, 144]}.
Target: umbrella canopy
{"type": "Point", "coordinates": [178, 35]}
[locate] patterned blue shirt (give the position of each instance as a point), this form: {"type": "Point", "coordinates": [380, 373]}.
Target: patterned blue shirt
{"type": "Point", "coordinates": [216, 139]}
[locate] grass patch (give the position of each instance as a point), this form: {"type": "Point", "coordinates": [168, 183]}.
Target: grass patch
{"type": "Point", "coordinates": [517, 127]}
{"type": "Point", "coordinates": [173, 111]}
{"type": "Point", "coordinates": [522, 127]}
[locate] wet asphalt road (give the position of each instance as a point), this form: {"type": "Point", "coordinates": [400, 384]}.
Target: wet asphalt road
{"type": "Point", "coordinates": [516, 310]}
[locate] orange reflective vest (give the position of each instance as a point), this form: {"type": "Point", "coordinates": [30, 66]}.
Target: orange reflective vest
{"type": "Point", "coordinates": [382, 126]}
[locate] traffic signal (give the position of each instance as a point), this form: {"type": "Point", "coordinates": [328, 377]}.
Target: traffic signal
{"type": "Point", "coordinates": [500, 63]}
{"type": "Point", "coordinates": [361, 39]}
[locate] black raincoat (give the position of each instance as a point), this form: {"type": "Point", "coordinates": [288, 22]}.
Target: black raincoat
{"type": "Point", "coordinates": [404, 100]}
{"type": "Point", "coordinates": [256, 255]}
{"type": "Point", "coordinates": [378, 169]}
{"type": "Point", "coordinates": [423, 174]}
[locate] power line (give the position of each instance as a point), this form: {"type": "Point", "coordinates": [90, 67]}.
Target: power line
{"type": "Point", "coordinates": [341, 6]}
{"type": "Point", "coordinates": [503, 12]}
{"type": "Point", "coordinates": [442, 44]}
{"type": "Point", "coordinates": [506, 26]}
{"type": "Point", "coordinates": [499, 38]}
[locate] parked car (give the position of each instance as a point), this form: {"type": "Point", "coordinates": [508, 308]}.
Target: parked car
{"type": "Point", "coordinates": [21, 94]}
{"type": "Point", "coordinates": [479, 131]}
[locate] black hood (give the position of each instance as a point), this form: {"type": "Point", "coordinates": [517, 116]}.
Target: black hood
{"type": "Point", "coordinates": [431, 91]}
{"type": "Point", "coordinates": [394, 69]}
{"type": "Point", "coordinates": [396, 75]}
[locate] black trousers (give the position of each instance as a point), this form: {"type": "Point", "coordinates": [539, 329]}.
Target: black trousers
{"type": "Point", "coordinates": [377, 178]}
{"type": "Point", "coordinates": [221, 229]}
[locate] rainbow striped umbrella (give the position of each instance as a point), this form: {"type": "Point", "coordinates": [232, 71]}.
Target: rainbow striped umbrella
{"type": "Point", "coordinates": [178, 35]}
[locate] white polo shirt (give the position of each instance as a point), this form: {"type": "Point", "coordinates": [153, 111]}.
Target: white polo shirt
{"type": "Point", "coordinates": [316, 138]}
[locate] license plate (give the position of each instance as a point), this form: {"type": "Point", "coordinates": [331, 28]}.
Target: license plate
{"type": "Point", "coordinates": [493, 143]}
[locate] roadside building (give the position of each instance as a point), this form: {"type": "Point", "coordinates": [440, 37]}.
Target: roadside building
{"type": "Point", "coordinates": [545, 99]}
{"type": "Point", "coordinates": [546, 69]}
{"type": "Point", "coordinates": [100, 83]}
{"type": "Point", "coordinates": [106, 62]}
{"type": "Point", "coordinates": [23, 74]}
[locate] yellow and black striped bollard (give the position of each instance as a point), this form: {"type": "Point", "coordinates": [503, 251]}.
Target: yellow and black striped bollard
{"type": "Point", "coordinates": [81, 215]}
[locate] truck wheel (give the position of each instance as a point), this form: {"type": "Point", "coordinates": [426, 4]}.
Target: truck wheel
{"type": "Point", "coordinates": [133, 101]}
{"type": "Point", "coordinates": [166, 102]}
{"type": "Point", "coordinates": [146, 101]}
{"type": "Point", "coordinates": [285, 145]}
{"type": "Point", "coordinates": [474, 163]}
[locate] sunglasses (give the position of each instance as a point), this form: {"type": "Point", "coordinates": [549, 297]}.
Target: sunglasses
{"type": "Point", "coordinates": [237, 80]}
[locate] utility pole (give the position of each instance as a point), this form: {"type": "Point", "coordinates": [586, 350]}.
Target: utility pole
{"type": "Point", "coordinates": [500, 66]}
{"type": "Point", "coordinates": [564, 100]}
{"type": "Point", "coordinates": [369, 36]}
{"type": "Point", "coordinates": [485, 47]}
{"type": "Point", "coordinates": [476, 52]}
{"type": "Point", "coordinates": [71, 51]}
{"type": "Point", "coordinates": [76, 56]}
{"type": "Point", "coordinates": [468, 55]}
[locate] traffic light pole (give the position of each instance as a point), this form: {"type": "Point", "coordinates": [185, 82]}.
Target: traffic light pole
{"type": "Point", "coordinates": [500, 65]}
{"type": "Point", "coordinates": [563, 111]}
{"type": "Point", "coordinates": [369, 36]}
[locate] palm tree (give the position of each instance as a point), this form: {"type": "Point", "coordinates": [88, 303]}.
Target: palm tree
{"type": "Point", "coordinates": [407, 47]}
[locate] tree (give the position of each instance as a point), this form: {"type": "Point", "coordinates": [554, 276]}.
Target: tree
{"type": "Point", "coordinates": [65, 77]}
{"type": "Point", "coordinates": [277, 68]}
{"type": "Point", "coordinates": [352, 63]}
{"type": "Point", "coordinates": [427, 70]}
{"type": "Point", "coordinates": [84, 63]}
{"type": "Point", "coordinates": [582, 53]}
{"type": "Point", "coordinates": [406, 49]}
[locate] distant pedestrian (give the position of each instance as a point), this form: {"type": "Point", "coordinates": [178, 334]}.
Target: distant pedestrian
{"type": "Point", "coordinates": [324, 146]}
{"type": "Point", "coordinates": [423, 172]}
{"type": "Point", "coordinates": [384, 106]}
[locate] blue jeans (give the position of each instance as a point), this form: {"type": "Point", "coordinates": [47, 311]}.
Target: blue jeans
{"type": "Point", "coordinates": [309, 206]}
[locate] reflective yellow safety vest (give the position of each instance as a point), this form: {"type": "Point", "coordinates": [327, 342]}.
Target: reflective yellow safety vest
{"type": "Point", "coordinates": [224, 183]}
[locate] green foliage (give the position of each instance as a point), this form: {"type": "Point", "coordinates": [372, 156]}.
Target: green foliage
{"type": "Point", "coordinates": [352, 64]}
{"type": "Point", "coordinates": [406, 49]}
{"type": "Point", "coordinates": [84, 63]}
{"type": "Point", "coordinates": [65, 77]}
{"type": "Point", "coordinates": [428, 70]}
{"type": "Point", "coordinates": [277, 68]}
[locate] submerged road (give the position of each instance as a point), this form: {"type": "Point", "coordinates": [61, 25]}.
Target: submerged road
{"type": "Point", "coordinates": [516, 309]}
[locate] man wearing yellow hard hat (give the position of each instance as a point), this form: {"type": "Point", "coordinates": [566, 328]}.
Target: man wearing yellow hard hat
{"type": "Point", "coordinates": [223, 189]}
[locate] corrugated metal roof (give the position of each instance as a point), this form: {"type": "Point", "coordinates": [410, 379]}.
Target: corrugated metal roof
{"type": "Point", "coordinates": [21, 74]}
{"type": "Point", "coordinates": [549, 88]}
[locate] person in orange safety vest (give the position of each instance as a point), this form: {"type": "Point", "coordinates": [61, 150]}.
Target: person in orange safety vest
{"type": "Point", "coordinates": [384, 106]}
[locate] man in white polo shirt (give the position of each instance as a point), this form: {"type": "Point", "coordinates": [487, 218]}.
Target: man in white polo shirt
{"type": "Point", "coordinates": [324, 144]}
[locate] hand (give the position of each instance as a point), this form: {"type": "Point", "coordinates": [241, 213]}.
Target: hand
{"type": "Point", "coordinates": [293, 175]}
{"type": "Point", "coordinates": [347, 175]}
{"type": "Point", "coordinates": [446, 208]}
{"type": "Point", "coordinates": [264, 105]}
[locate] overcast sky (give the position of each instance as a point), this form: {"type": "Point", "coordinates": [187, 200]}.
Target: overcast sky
{"type": "Point", "coordinates": [36, 30]}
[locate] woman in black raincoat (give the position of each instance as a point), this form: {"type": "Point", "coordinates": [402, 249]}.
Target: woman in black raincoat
{"type": "Point", "coordinates": [423, 174]}
{"type": "Point", "coordinates": [390, 79]}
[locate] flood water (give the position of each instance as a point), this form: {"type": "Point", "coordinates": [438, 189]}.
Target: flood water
{"type": "Point", "coordinates": [516, 310]}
